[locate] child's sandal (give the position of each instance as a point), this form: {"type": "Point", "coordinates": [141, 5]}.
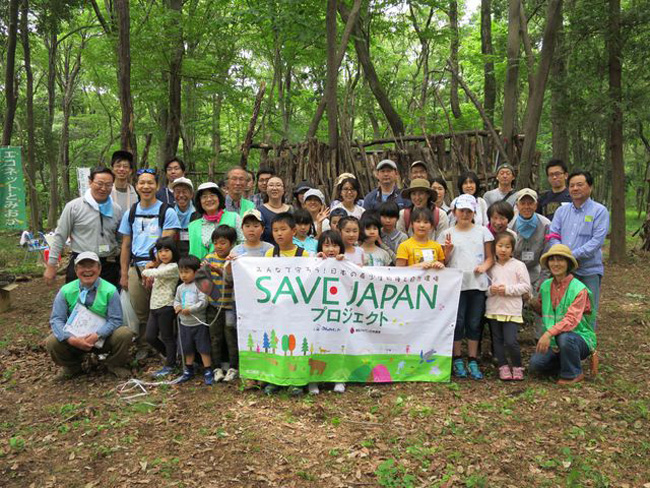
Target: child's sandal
{"type": "Point", "coordinates": [504, 373]}
{"type": "Point", "coordinates": [518, 374]}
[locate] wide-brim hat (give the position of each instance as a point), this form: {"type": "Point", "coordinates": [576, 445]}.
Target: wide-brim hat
{"type": "Point", "coordinates": [559, 250]}
{"type": "Point", "coordinates": [419, 184]}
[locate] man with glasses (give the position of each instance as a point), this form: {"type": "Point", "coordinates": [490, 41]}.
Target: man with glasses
{"type": "Point", "coordinates": [263, 176]}
{"type": "Point", "coordinates": [91, 223]}
{"type": "Point", "coordinates": [237, 179]}
{"type": "Point", "coordinates": [558, 195]}
{"type": "Point", "coordinates": [174, 168]}
{"type": "Point", "coordinates": [123, 192]}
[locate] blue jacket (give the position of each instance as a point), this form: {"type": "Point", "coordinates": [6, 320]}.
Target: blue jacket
{"type": "Point", "coordinates": [373, 199]}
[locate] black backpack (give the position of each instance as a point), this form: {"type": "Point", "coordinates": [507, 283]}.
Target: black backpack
{"type": "Point", "coordinates": [276, 251]}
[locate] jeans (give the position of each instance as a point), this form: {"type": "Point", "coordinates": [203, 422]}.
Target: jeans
{"type": "Point", "coordinates": [567, 361]}
{"type": "Point", "coordinates": [224, 328]}
{"type": "Point", "coordinates": [593, 283]}
{"type": "Point", "coordinates": [161, 323]}
{"type": "Point", "coordinates": [470, 312]}
{"type": "Point", "coordinates": [504, 340]}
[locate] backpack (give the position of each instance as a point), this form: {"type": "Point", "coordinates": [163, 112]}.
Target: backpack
{"type": "Point", "coordinates": [407, 218]}
{"type": "Point", "coordinates": [276, 251]}
{"type": "Point", "coordinates": [161, 221]}
{"type": "Point", "coordinates": [203, 280]}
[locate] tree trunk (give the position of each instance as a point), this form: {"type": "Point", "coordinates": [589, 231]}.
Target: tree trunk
{"type": "Point", "coordinates": [536, 101]}
{"type": "Point", "coordinates": [11, 95]}
{"type": "Point", "coordinates": [560, 133]}
{"type": "Point", "coordinates": [127, 131]}
{"type": "Point", "coordinates": [453, 24]}
{"type": "Point", "coordinates": [216, 135]}
{"type": "Point", "coordinates": [617, 252]}
{"type": "Point", "coordinates": [30, 170]}
{"type": "Point", "coordinates": [363, 54]}
{"type": "Point", "coordinates": [173, 119]}
{"type": "Point", "coordinates": [243, 162]}
{"type": "Point", "coordinates": [332, 80]}
{"type": "Point", "coordinates": [489, 78]}
{"type": "Point", "coordinates": [51, 42]}
{"type": "Point", "coordinates": [512, 76]}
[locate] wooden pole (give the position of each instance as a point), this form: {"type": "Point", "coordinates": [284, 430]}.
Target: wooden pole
{"type": "Point", "coordinates": [251, 126]}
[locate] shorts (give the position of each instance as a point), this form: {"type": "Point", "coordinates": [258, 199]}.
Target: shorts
{"type": "Point", "coordinates": [194, 338]}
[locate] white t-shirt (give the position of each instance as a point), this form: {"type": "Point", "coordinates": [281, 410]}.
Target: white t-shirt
{"type": "Point", "coordinates": [468, 253]}
{"type": "Point", "coordinates": [357, 256]}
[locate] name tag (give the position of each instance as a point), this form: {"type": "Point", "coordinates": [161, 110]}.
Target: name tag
{"type": "Point", "coordinates": [427, 255]}
{"type": "Point", "coordinates": [103, 248]}
{"type": "Point", "coordinates": [185, 235]}
{"type": "Point", "coordinates": [527, 256]}
{"type": "Point", "coordinates": [589, 218]}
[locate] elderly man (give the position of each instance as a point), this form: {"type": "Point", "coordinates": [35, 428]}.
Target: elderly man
{"type": "Point", "coordinates": [386, 174]}
{"type": "Point", "coordinates": [91, 223]}
{"type": "Point", "coordinates": [183, 194]}
{"type": "Point", "coordinates": [235, 201]}
{"type": "Point", "coordinates": [94, 302]}
{"type": "Point", "coordinates": [583, 226]}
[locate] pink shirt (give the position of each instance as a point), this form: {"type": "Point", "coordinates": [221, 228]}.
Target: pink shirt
{"type": "Point", "coordinates": [514, 275]}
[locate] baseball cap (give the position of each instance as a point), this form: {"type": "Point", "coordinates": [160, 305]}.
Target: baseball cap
{"type": "Point", "coordinates": [418, 162]}
{"type": "Point", "coordinates": [506, 166]}
{"type": "Point", "coordinates": [181, 181]}
{"type": "Point", "coordinates": [386, 162]}
{"type": "Point", "coordinates": [207, 186]}
{"type": "Point", "coordinates": [252, 213]}
{"type": "Point", "coordinates": [526, 192]}
{"type": "Point", "coordinates": [314, 192]}
{"type": "Point", "coordinates": [86, 255]}
{"type": "Point", "coordinates": [464, 201]}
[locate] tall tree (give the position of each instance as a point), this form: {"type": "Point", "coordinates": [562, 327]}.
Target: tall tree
{"type": "Point", "coordinates": [489, 78]}
{"type": "Point", "coordinates": [510, 94]}
{"type": "Point", "coordinates": [614, 41]}
{"type": "Point", "coordinates": [455, 41]}
{"type": "Point", "coordinates": [559, 122]}
{"type": "Point", "coordinates": [332, 77]}
{"type": "Point", "coordinates": [11, 95]}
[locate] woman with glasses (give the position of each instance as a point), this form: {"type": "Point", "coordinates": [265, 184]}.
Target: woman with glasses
{"type": "Point", "coordinates": [274, 206]}
{"type": "Point", "coordinates": [210, 204]}
{"type": "Point", "coordinates": [348, 192]}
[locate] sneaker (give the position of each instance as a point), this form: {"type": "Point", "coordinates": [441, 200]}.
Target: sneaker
{"type": "Point", "coordinates": [208, 376]}
{"type": "Point", "coordinates": [218, 375]}
{"type": "Point", "coordinates": [271, 389]}
{"type": "Point", "coordinates": [518, 373]}
{"type": "Point", "coordinates": [231, 375]}
{"type": "Point", "coordinates": [339, 387]}
{"type": "Point", "coordinates": [188, 374]}
{"type": "Point", "coordinates": [504, 373]}
{"type": "Point", "coordinates": [474, 371]}
{"type": "Point", "coordinates": [459, 368]}
{"type": "Point", "coordinates": [313, 388]}
{"type": "Point", "coordinates": [295, 391]}
{"type": "Point", "coordinates": [120, 372]}
{"type": "Point", "coordinates": [68, 373]}
{"type": "Point", "coordinates": [164, 371]}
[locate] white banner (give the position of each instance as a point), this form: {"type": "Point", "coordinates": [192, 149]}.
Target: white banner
{"type": "Point", "coordinates": [306, 319]}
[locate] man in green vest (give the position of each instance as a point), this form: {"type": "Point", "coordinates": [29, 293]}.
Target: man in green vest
{"type": "Point", "coordinates": [86, 316]}
{"type": "Point", "coordinates": [567, 320]}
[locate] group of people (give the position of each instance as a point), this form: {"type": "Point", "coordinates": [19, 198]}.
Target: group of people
{"type": "Point", "coordinates": [515, 250]}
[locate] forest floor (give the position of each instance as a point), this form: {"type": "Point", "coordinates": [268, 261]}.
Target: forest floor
{"type": "Point", "coordinates": [465, 433]}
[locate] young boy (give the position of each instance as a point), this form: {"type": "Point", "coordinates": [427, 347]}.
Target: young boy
{"type": "Point", "coordinates": [283, 228]}
{"type": "Point", "coordinates": [336, 215]}
{"type": "Point", "coordinates": [220, 313]}
{"type": "Point", "coordinates": [194, 336]}
{"type": "Point", "coordinates": [252, 226]}
{"type": "Point", "coordinates": [390, 235]}
{"type": "Point", "coordinates": [304, 225]}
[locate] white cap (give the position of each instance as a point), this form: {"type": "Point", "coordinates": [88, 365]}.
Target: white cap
{"type": "Point", "coordinates": [207, 186]}
{"type": "Point", "coordinates": [386, 162]}
{"type": "Point", "coordinates": [252, 212]}
{"type": "Point", "coordinates": [181, 181]}
{"type": "Point", "coordinates": [314, 192]}
{"type": "Point", "coordinates": [464, 201]}
{"type": "Point", "coordinates": [526, 192]}
{"type": "Point", "coordinates": [82, 256]}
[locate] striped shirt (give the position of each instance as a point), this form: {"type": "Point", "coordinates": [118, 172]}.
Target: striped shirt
{"type": "Point", "coordinates": [224, 285]}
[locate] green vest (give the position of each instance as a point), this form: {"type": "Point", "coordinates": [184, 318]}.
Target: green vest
{"type": "Point", "coordinates": [551, 316]}
{"type": "Point", "coordinates": [105, 291]}
{"type": "Point", "coordinates": [194, 230]}
{"type": "Point", "coordinates": [244, 206]}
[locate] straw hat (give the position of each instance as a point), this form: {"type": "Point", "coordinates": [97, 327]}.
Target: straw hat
{"type": "Point", "coordinates": [559, 250]}
{"type": "Point", "coordinates": [419, 184]}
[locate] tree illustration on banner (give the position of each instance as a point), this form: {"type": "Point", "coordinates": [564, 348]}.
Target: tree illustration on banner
{"type": "Point", "coordinates": [274, 340]}
{"type": "Point", "coordinates": [266, 344]}
{"type": "Point", "coordinates": [292, 343]}
{"type": "Point", "coordinates": [250, 342]}
{"type": "Point", "coordinates": [305, 347]}
{"type": "Point", "coordinates": [285, 344]}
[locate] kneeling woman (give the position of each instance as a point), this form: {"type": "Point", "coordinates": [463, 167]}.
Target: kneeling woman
{"type": "Point", "coordinates": [567, 320]}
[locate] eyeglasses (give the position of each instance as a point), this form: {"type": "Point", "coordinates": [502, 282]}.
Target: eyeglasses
{"type": "Point", "coordinates": [122, 166]}
{"type": "Point", "coordinates": [107, 186]}
{"type": "Point", "coordinates": [149, 171]}
{"type": "Point", "coordinates": [556, 175]}
{"type": "Point", "coordinates": [348, 190]}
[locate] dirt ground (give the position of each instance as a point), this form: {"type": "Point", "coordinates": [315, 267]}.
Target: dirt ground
{"type": "Point", "coordinates": [83, 434]}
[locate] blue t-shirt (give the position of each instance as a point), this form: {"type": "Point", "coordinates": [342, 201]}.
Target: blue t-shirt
{"type": "Point", "coordinates": [310, 244]}
{"type": "Point", "coordinates": [146, 231]}
{"type": "Point", "coordinates": [255, 252]}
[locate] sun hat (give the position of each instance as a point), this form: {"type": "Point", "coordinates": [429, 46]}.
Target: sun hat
{"type": "Point", "coordinates": [386, 162]}
{"type": "Point", "coordinates": [343, 176]}
{"type": "Point", "coordinates": [86, 255]}
{"type": "Point", "coordinates": [464, 201]}
{"type": "Point", "coordinates": [314, 192]}
{"type": "Point", "coordinates": [526, 192]}
{"type": "Point", "coordinates": [181, 181]}
{"type": "Point", "coordinates": [559, 250]}
{"type": "Point", "coordinates": [419, 184]}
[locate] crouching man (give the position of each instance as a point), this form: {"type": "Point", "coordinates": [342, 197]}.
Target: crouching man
{"type": "Point", "coordinates": [87, 315]}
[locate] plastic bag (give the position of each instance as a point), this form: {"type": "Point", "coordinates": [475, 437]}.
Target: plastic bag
{"type": "Point", "coordinates": [129, 317]}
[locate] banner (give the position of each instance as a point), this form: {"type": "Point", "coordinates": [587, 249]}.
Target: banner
{"type": "Point", "coordinates": [303, 320]}
{"type": "Point", "coordinates": [83, 177]}
{"type": "Point", "coordinates": [12, 189]}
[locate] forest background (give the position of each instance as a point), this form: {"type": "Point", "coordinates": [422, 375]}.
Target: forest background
{"type": "Point", "coordinates": [181, 77]}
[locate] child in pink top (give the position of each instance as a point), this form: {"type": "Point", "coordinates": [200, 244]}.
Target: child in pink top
{"type": "Point", "coordinates": [509, 283]}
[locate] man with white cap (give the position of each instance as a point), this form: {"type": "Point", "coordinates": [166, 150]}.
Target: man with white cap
{"type": "Point", "coordinates": [419, 170]}
{"type": "Point", "coordinates": [183, 193]}
{"type": "Point", "coordinates": [386, 174]}
{"type": "Point", "coordinates": [87, 315]}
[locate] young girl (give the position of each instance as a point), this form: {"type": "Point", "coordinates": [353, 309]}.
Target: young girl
{"type": "Point", "coordinates": [510, 282]}
{"type": "Point", "coordinates": [330, 245]}
{"type": "Point", "coordinates": [304, 225]}
{"type": "Point", "coordinates": [468, 247]}
{"type": "Point", "coordinates": [374, 255]}
{"type": "Point", "coordinates": [163, 268]}
{"type": "Point", "coordinates": [420, 250]}
{"type": "Point", "coordinates": [349, 229]}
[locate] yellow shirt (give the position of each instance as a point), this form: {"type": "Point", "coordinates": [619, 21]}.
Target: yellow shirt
{"type": "Point", "coordinates": [287, 254]}
{"type": "Point", "coordinates": [419, 252]}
